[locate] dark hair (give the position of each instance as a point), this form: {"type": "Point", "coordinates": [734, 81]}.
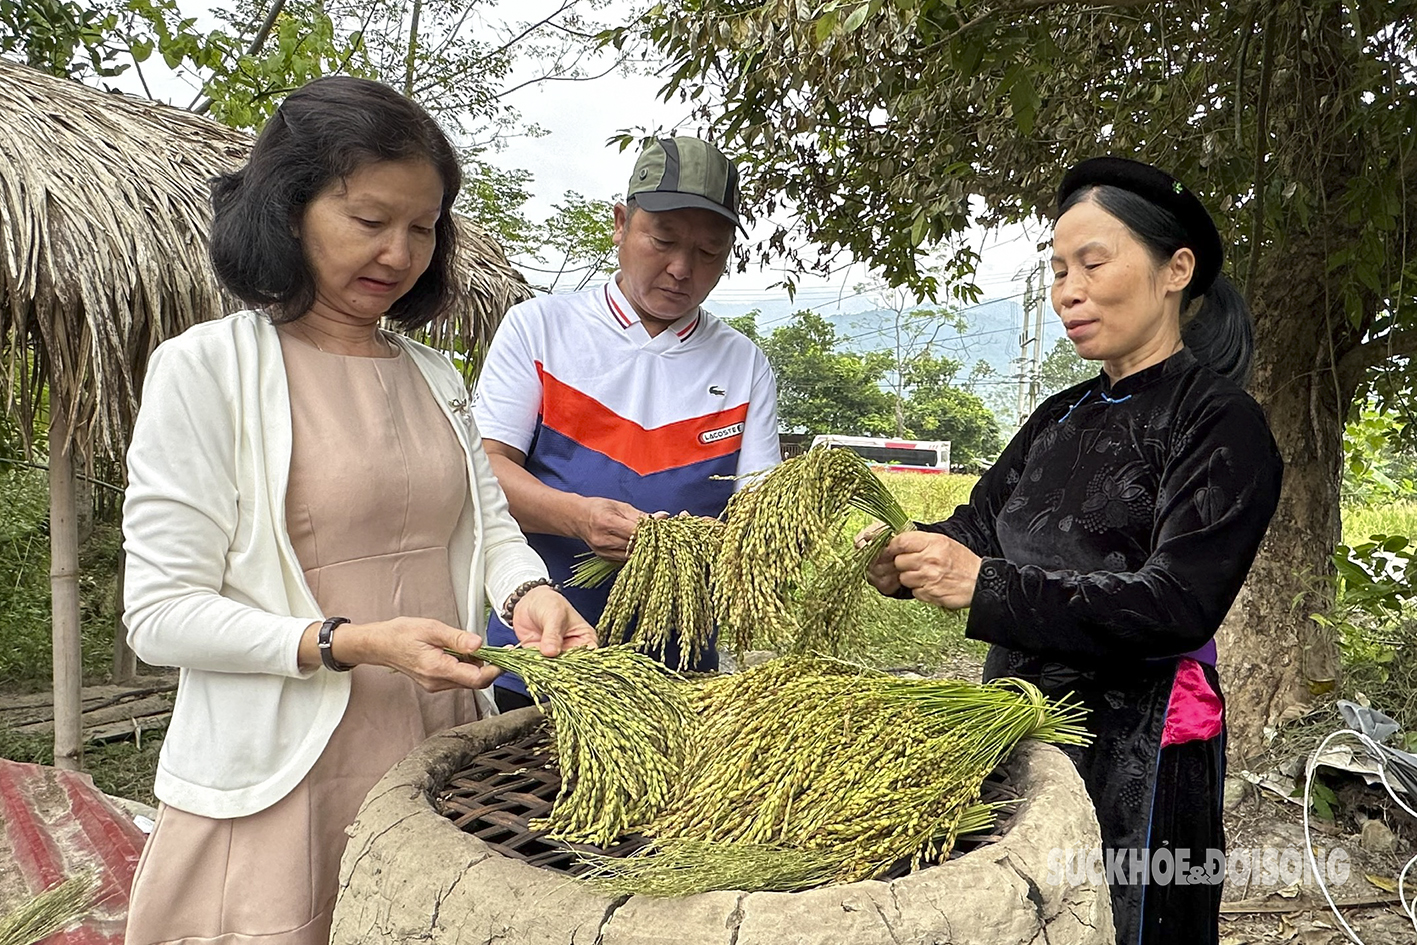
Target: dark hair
{"type": "Point", "coordinates": [1221, 333]}
{"type": "Point", "coordinates": [323, 132]}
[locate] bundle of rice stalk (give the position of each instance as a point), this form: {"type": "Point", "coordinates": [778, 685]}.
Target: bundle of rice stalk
{"type": "Point", "coordinates": [685, 867]}
{"type": "Point", "coordinates": [621, 725]}
{"type": "Point", "coordinates": [826, 605]}
{"type": "Point", "coordinates": [780, 581]}
{"type": "Point", "coordinates": [673, 868]}
{"type": "Point", "coordinates": [50, 912]}
{"type": "Point", "coordinates": [662, 589]}
{"type": "Point", "coordinates": [846, 766]}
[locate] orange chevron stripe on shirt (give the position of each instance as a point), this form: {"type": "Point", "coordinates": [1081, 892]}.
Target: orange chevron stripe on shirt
{"type": "Point", "coordinates": [645, 451]}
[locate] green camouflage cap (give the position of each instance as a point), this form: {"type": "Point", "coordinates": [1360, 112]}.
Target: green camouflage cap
{"type": "Point", "coordinates": [674, 173]}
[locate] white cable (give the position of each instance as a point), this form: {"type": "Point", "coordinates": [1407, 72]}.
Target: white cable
{"type": "Point", "coordinates": [1411, 910]}
{"type": "Point", "coordinates": [1375, 751]}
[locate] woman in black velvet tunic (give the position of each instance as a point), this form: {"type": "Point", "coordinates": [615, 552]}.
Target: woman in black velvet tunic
{"type": "Point", "coordinates": [1100, 553]}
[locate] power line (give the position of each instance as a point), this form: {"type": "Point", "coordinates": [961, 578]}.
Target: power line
{"type": "Point", "coordinates": [776, 322]}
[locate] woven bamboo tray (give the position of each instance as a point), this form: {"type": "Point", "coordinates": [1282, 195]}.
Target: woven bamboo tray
{"type": "Point", "coordinates": [497, 796]}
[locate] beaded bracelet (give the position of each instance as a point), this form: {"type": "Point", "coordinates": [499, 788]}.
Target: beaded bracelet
{"type": "Point", "coordinates": [521, 592]}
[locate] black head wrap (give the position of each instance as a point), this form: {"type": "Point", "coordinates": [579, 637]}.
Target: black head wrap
{"type": "Point", "coordinates": [1165, 191]}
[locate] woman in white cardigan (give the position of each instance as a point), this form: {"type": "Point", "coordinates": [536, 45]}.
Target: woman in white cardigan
{"type": "Point", "coordinates": [308, 496]}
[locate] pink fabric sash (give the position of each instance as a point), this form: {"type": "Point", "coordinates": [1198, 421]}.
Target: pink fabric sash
{"type": "Point", "coordinates": [1195, 712]}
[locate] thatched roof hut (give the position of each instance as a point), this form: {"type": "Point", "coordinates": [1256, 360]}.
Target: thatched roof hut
{"type": "Point", "coordinates": [103, 230]}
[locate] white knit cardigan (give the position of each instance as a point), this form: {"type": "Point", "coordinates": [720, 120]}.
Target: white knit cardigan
{"type": "Point", "coordinates": [213, 585]}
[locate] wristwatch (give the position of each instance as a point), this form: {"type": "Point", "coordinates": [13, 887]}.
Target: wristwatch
{"type": "Point", "coordinates": [326, 640]}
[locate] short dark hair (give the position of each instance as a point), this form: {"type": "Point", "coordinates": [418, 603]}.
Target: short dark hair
{"type": "Point", "coordinates": [323, 132]}
{"type": "Point", "coordinates": [1221, 333]}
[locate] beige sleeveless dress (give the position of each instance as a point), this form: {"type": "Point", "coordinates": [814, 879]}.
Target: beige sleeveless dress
{"type": "Point", "coordinates": [377, 483]}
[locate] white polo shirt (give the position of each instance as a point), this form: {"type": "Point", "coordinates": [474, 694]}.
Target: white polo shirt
{"type": "Point", "coordinates": [602, 409]}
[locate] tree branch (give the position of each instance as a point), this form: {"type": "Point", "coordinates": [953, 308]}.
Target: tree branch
{"type": "Point", "coordinates": [1022, 5]}
{"type": "Point", "coordinates": [451, 34]}
{"type": "Point", "coordinates": [529, 28]}
{"type": "Point", "coordinates": [138, 68]}
{"type": "Point", "coordinates": [554, 78]}
{"type": "Point", "coordinates": [263, 33]}
{"type": "Point", "coordinates": [412, 58]}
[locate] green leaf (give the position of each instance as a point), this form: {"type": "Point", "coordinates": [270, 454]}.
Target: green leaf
{"type": "Point", "coordinates": [1024, 99]}
{"type": "Point", "coordinates": [917, 229]}
{"type": "Point", "coordinates": [857, 17]}
{"type": "Point", "coordinates": [825, 24]}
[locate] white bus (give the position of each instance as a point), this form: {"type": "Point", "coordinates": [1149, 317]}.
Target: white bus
{"type": "Point", "coordinates": [923, 456]}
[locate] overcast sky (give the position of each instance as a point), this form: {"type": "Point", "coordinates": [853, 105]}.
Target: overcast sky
{"type": "Point", "coordinates": [582, 116]}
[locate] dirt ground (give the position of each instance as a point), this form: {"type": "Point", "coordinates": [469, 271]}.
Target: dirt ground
{"type": "Point", "coordinates": [1273, 911]}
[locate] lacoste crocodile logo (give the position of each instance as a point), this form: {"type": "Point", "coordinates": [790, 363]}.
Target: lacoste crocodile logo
{"type": "Point", "coordinates": [717, 391]}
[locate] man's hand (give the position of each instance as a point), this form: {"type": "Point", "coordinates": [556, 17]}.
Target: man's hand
{"type": "Point", "coordinates": [604, 524]}
{"type": "Point", "coordinates": [937, 569]}
{"type": "Point", "coordinates": [607, 526]}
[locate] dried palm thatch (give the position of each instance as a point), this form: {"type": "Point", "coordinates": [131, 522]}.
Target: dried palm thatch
{"type": "Point", "coordinates": [104, 218]}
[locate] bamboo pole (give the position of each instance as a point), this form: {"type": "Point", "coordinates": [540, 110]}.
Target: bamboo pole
{"type": "Point", "coordinates": [64, 592]}
{"type": "Point", "coordinates": [125, 661]}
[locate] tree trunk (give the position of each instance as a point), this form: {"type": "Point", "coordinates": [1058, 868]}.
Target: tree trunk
{"type": "Point", "coordinates": [64, 593]}
{"type": "Point", "coordinates": [1273, 658]}
{"type": "Point", "coordinates": [125, 661]}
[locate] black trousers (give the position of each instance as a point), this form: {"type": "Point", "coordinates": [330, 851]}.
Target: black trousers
{"type": "Point", "coordinates": [1187, 816]}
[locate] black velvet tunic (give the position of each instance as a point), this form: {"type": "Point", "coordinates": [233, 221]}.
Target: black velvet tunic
{"type": "Point", "coordinates": [1116, 529]}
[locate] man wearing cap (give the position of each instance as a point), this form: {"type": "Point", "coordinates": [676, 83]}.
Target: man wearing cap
{"type": "Point", "coordinates": [603, 406]}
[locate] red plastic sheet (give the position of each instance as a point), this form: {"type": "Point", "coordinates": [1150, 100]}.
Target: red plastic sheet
{"type": "Point", "coordinates": [55, 824]}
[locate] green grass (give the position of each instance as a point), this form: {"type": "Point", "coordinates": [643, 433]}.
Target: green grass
{"type": "Point", "coordinates": [929, 498]}
{"type": "Point", "coordinates": [26, 655]}
{"type": "Point", "coordinates": [1380, 652]}
{"type": "Point", "coordinates": [906, 634]}
{"type": "Point", "coordinates": [121, 768]}
{"type": "Point", "coordinates": [1388, 518]}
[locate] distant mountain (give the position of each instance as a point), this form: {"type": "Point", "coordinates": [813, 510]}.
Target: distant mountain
{"type": "Point", "coordinates": [992, 337]}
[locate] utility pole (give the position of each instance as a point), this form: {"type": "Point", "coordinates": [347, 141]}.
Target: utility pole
{"type": "Point", "coordinates": [1035, 374]}
{"type": "Point", "coordinates": [1030, 341]}
{"type": "Point", "coordinates": [1024, 373]}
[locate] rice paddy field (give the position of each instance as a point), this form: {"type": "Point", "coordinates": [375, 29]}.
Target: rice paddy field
{"type": "Point", "coordinates": [903, 634]}
{"type": "Point", "coordinates": [1393, 518]}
